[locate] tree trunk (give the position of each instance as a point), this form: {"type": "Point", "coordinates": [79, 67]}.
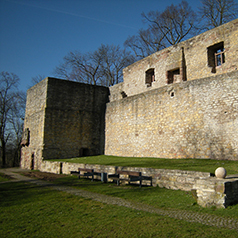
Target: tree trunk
{"type": "Point", "coordinates": [3, 150]}
{"type": "Point", "coordinates": [17, 157]}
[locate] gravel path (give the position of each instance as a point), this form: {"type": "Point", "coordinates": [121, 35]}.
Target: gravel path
{"type": "Point", "coordinates": [206, 219]}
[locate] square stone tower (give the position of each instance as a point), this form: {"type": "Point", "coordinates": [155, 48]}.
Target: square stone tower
{"type": "Point", "coordinates": [63, 119]}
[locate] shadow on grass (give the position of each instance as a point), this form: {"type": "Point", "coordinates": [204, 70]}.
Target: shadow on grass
{"type": "Point", "coordinates": [19, 193]}
{"type": "Point", "coordinates": [87, 183]}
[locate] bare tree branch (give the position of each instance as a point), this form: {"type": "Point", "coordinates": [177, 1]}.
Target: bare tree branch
{"type": "Point", "coordinates": [102, 67]}
{"type": "Point", "coordinates": [10, 110]}
{"type": "Point", "coordinates": [218, 12]}
{"type": "Point", "coordinates": [170, 27]}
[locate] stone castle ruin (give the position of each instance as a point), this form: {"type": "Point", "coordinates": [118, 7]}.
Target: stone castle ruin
{"type": "Point", "coordinates": [180, 102]}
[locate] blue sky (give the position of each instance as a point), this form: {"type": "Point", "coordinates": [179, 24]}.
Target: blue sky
{"type": "Point", "coordinates": [37, 34]}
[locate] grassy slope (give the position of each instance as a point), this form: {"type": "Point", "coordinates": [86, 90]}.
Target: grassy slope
{"type": "Point", "coordinates": [4, 177]}
{"type": "Point", "coordinates": [203, 165]}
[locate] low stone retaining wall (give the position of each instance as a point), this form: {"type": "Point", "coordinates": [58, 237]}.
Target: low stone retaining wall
{"type": "Point", "coordinates": [51, 167]}
{"type": "Point", "coordinates": [210, 191]}
{"type": "Point", "coordinates": [217, 192]}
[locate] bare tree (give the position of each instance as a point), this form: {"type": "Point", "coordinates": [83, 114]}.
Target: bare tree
{"type": "Point", "coordinates": [37, 79]}
{"type": "Point", "coordinates": [146, 42]}
{"type": "Point", "coordinates": [102, 67]}
{"type": "Point", "coordinates": [166, 28]}
{"type": "Point", "coordinates": [113, 60]}
{"type": "Point", "coordinates": [16, 121]}
{"type": "Point", "coordinates": [217, 12]}
{"type": "Point", "coordinates": [80, 68]}
{"type": "Point", "coordinates": [8, 97]}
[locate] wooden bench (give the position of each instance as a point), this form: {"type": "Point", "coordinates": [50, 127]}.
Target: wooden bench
{"type": "Point", "coordinates": [84, 173]}
{"type": "Point", "coordinates": [130, 176]}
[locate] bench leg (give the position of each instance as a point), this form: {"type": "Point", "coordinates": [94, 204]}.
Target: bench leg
{"type": "Point", "coordinates": [92, 177]}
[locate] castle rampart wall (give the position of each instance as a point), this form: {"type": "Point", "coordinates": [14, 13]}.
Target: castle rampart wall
{"type": "Point", "coordinates": [188, 60]}
{"type": "Point", "coordinates": [180, 102]}
{"type": "Point", "coordinates": [193, 119]}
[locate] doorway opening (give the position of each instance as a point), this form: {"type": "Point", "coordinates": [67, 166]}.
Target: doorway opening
{"type": "Point", "coordinates": [83, 152]}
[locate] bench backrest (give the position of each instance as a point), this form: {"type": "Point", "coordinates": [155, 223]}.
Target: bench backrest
{"type": "Point", "coordinates": [86, 170]}
{"type": "Point", "coordinates": [132, 173]}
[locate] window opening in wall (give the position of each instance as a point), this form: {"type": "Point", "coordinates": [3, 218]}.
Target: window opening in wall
{"type": "Point", "coordinates": [172, 94]}
{"type": "Point", "coordinates": [172, 75]}
{"type": "Point", "coordinates": [219, 57]}
{"type": "Point", "coordinates": [216, 56]}
{"type": "Point", "coordinates": [149, 77]}
{"type": "Point", "coordinates": [123, 94]}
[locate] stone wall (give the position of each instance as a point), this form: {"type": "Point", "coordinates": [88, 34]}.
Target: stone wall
{"type": "Point", "coordinates": [189, 60]}
{"type": "Point", "coordinates": [217, 192]}
{"type": "Point", "coordinates": [164, 178]}
{"type": "Point", "coordinates": [31, 154]}
{"type": "Point", "coordinates": [65, 119]}
{"type": "Point", "coordinates": [193, 119]}
{"type": "Point", "coordinates": [51, 167]}
{"type": "Point", "coordinates": [116, 92]}
{"type": "Point", "coordinates": [209, 190]}
{"type": "Point", "coordinates": [74, 120]}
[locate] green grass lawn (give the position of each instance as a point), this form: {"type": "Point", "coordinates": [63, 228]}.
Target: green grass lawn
{"type": "Point", "coordinates": [27, 210]}
{"type": "Point", "coordinates": [203, 165]}
{"type": "Point", "coordinates": [4, 177]}
{"type": "Point", "coordinates": [158, 197]}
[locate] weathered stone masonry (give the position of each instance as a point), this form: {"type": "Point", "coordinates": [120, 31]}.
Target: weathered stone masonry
{"type": "Point", "coordinates": [65, 119]}
{"type": "Point", "coordinates": [31, 152]}
{"type": "Point", "coordinates": [180, 102]}
{"type": "Point", "coordinates": [198, 121]}
{"type": "Point", "coordinates": [191, 59]}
